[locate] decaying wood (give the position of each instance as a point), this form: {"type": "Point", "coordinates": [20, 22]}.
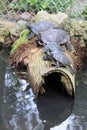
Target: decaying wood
{"type": "Point", "coordinates": [78, 54]}
{"type": "Point", "coordinates": [32, 57]}
{"type": "Point", "coordinates": [5, 27]}
{"type": "Point", "coordinates": [37, 68]}
{"type": "Point", "coordinates": [21, 52]}
{"type": "Point", "coordinates": [6, 24]}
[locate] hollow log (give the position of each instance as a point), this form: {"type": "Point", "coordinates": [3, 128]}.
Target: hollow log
{"type": "Point", "coordinates": [38, 69]}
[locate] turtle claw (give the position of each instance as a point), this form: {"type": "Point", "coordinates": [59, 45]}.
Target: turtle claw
{"type": "Point", "coordinates": [30, 35]}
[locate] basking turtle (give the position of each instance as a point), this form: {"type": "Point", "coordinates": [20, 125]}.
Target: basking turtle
{"type": "Point", "coordinates": [59, 57]}
{"type": "Point", "coordinates": [37, 28]}
{"type": "Point", "coordinates": [49, 48]}
{"type": "Point", "coordinates": [62, 60]}
{"type": "Point", "coordinates": [53, 46]}
{"type": "Point", "coordinates": [55, 35]}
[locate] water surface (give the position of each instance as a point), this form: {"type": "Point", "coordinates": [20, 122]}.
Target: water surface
{"type": "Point", "coordinates": [19, 110]}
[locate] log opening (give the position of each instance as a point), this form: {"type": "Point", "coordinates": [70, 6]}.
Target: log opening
{"type": "Point", "coordinates": [58, 82]}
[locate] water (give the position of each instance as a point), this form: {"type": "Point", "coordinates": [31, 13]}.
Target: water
{"type": "Point", "coordinates": [19, 110]}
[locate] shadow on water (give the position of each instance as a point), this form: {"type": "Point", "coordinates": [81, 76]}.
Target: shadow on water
{"type": "Point", "coordinates": [19, 110]}
{"type": "Point", "coordinates": [55, 105]}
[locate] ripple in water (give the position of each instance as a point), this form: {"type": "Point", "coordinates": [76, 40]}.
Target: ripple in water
{"type": "Point", "coordinates": [21, 111]}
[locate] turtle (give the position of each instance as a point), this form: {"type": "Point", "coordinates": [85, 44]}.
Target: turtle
{"type": "Point", "coordinates": [39, 27]}
{"type": "Point", "coordinates": [49, 48]}
{"type": "Point", "coordinates": [52, 46]}
{"type": "Point", "coordinates": [62, 60]}
{"type": "Point", "coordinates": [59, 58]}
{"type": "Point", "coordinates": [56, 35]}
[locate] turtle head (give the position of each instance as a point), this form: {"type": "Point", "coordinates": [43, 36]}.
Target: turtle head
{"type": "Point", "coordinates": [30, 34]}
{"type": "Point", "coordinates": [28, 25]}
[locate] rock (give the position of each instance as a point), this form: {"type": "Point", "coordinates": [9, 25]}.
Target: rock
{"type": "Point", "coordinates": [3, 33]}
{"type": "Point", "coordinates": [57, 19]}
{"type": "Point", "coordinates": [85, 36]}
{"type": "Point", "coordinates": [42, 15]}
{"type": "Point", "coordinates": [78, 29]}
{"type": "Point", "coordinates": [1, 39]}
{"type": "Point", "coordinates": [20, 26]}
{"type": "Point", "coordinates": [7, 24]}
{"type": "Point", "coordinates": [10, 31]}
{"type": "Point", "coordinates": [15, 31]}
{"type": "Point", "coordinates": [5, 27]}
{"type": "Point", "coordinates": [26, 16]}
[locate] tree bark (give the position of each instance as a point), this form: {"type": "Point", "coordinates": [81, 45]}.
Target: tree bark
{"type": "Point", "coordinates": [37, 69]}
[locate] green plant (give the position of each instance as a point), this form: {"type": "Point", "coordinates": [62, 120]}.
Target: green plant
{"type": "Point", "coordinates": [84, 13]}
{"type": "Point", "coordinates": [52, 6]}
{"type": "Point", "coordinates": [21, 5]}
{"type": "Point", "coordinates": [75, 14]}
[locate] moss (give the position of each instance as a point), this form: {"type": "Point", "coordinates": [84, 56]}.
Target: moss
{"type": "Point", "coordinates": [23, 38]}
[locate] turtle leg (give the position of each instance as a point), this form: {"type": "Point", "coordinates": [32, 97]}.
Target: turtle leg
{"type": "Point", "coordinates": [45, 57]}
{"type": "Point", "coordinates": [30, 35]}
{"type": "Point", "coordinates": [46, 53]}
{"type": "Point", "coordinates": [68, 47]}
{"type": "Point", "coordinates": [57, 64]}
{"type": "Point", "coordinates": [60, 48]}
{"type": "Point", "coordinates": [38, 41]}
{"type": "Point", "coordinates": [44, 49]}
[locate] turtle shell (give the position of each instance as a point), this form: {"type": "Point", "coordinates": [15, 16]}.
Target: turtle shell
{"type": "Point", "coordinates": [54, 47]}
{"type": "Point", "coordinates": [55, 35]}
{"type": "Point", "coordinates": [41, 26]}
{"type": "Point", "coordinates": [61, 58]}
